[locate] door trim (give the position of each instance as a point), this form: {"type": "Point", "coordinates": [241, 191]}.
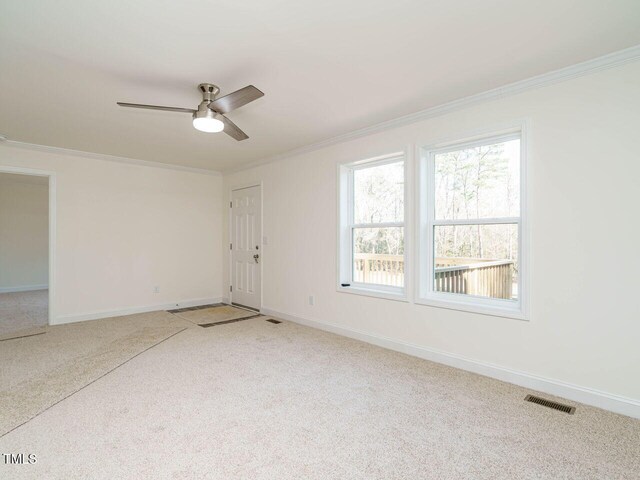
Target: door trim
{"type": "Point", "coordinates": [52, 230]}
{"type": "Point", "coordinates": [232, 189]}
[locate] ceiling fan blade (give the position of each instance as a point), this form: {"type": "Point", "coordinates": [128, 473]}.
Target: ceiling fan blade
{"type": "Point", "coordinates": [157, 107]}
{"type": "Point", "coordinates": [232, 129]}
{"type": "Point", "coordinates": [236, 99]}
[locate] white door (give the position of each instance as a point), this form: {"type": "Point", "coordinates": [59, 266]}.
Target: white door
{"type": "Point", "coordinates": [246, 247]}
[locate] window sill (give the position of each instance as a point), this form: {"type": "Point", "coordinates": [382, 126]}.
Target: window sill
{"type": "Point", "coordinates": [514, 312]}
{"type": "Point", "coordinates": [373, 292]}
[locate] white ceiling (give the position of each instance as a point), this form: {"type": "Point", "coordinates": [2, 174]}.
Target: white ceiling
{"type": "Point", "coordinates": [326, 68]}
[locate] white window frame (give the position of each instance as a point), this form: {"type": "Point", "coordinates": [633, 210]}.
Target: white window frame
{"type": "Point", "coordinates": [517, 309]}
{"type": "Point", "coordinates": [346, 227]}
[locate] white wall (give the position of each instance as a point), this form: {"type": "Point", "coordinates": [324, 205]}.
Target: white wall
{"type": "Point", "coordinates": [123, 229]}
{"type": "Point", "coordinates": [584, 173]}
{"type": "Point", "coordinates": [24, 234]}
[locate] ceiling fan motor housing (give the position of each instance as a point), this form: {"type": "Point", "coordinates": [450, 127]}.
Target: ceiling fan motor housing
{"type": "Point", "coordinates": [209, 91]}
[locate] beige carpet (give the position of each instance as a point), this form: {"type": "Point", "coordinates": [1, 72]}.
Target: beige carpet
{"type": "Point", "coordinates": [23, 310]}
{"type": "Point", "coordinates": [40, 370]}
{"type": "Point", "coordinates": [254, 400]}
{"type": "Point", "coordinates": [215, 314]}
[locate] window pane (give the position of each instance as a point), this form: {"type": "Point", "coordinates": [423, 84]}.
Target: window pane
{"type": "Point", "coordinates": [478, 182]}
{"type": "Point", "coordinates": [378, 256]}
{"type": "Point", "coordinates": [378, 194]}
{"type": "Point", "coordinates": [477, 260]}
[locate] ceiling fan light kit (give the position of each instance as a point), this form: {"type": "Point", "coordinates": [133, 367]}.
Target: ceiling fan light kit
{"type": "Point", "coordinates": [209, 116]}
{"type": "Point", "coordinates": [205, 120]}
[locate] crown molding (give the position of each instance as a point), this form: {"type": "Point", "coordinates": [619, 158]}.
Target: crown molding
{"type": "Point", "coordinates": [605, 62]}
{"type": "Point", "coordinates": [598, 64]}
{"type": "Point", "coordinates": [107, 158]}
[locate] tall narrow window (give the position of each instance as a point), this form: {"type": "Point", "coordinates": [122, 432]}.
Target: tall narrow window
{"type": "Point", "coordinates": [472, 223]}
{"type": "Point", "coordinates": [372, 225]}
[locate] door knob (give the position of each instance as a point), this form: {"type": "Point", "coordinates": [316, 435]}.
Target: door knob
{"type": "Point", "coordinates": [256, 257]}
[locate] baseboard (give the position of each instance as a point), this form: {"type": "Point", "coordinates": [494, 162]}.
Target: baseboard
{"type": "Point", "coordinates": [589, 396]}
{"type": "Point", "coordinates": [23, 288]}
{"type": "Point", "coordinates": [81, 317]}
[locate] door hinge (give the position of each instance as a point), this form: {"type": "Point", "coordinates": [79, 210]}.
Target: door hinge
{"type": "Point", "coordinates": [230, 204]}
{"type": "Point", "coordinates": [231, 288]}
{"type": "Point", "coordinates": [231, 246]}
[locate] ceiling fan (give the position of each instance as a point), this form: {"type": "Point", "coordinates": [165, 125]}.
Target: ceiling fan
{"type": "Point", "coordinates": [209, 116]}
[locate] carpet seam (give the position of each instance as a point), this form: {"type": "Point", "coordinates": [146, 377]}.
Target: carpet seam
{"type": "Point", "coordinates": [22, 336]}
{"type": "Point", "coordinates": [93, 381]}
{"type": "Point", "coordinates": [182, 318]}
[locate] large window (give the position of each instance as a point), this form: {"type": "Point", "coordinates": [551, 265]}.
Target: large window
{"type": "Point", "coordinates": [464, 246]}
{"type": "Point", "coordinates": [372, 231]}
{"type": "Point", "coordinates": [471, 232]}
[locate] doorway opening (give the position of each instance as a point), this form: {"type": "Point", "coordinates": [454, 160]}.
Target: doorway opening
{"type": "Point", "coordinates": [25, 251]}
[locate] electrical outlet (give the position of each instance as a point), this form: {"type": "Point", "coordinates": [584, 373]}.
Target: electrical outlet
{"type": "Point", "coordinates": [156, 289]}
{"type": "Point", "coordinates": [311, 300]}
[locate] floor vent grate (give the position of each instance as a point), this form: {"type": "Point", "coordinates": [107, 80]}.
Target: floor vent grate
{"type": "Point", "coordinates": [271, 320]}
{"type": "Point", "coordinates": [548, 403]}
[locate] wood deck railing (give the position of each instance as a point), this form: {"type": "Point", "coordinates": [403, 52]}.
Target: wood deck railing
{"type": "Point", "coordinates": [472, 276]}
{"type": "Point", "coordinates": [380, 269]}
